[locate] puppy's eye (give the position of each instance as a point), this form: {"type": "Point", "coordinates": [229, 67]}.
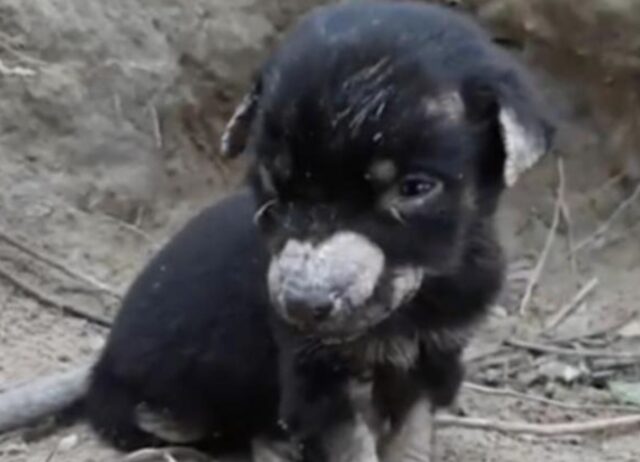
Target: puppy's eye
{"type": "Point", "coordinates": [414, 186]}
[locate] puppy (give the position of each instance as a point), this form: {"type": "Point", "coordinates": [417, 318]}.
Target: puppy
{"type": "Point", "coordinates": [383, 135]}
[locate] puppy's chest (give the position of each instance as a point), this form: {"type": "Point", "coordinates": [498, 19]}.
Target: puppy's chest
{"type": "Point", "coordinates": [402, 351]}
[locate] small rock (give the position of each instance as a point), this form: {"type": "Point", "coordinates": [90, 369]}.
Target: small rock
{"type": "Point", "coordinates": [626, 392]}
{"type": "Point", "coordinates": [15, 449]}
{"type": "Point", "coordinates": [630, 330]}
{"type": "Point", "coordinates": [559, 371]}
{"type": "Point", "coordinates": [68, 443]}
{"type": "Point", "coordinates": [500, 311]}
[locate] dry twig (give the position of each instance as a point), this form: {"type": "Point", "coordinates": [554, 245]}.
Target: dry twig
{"type": "Point", "coordinates": [155, 124]}
{"type": "Point", "coordinates": [558, 429]}
{"type": "Point", "coordinates": [607, 184]}
{"type": "Point", "coordinates": [133, 229]}
{"type": "Point", "coordinates": [538, 348]}
{"type": "Point", "coordinates": [501, 358]}
{"type": "Point", "coordinates": [7, 45]}
{"type": "Point", "coordinates": [597, 332]}
{"type": "Point", "coordinates": [50, 301]}
{"type": "Point", "coordinates": [567, 309]}
{"type": "Point", "coordinates": [549, 402]}
{"type": "Point", "coordinates": [565, 212]}
{"type": "Point", "coordinates": [537, 271]}
{"type": "Point", "coordinates": [29, 249]}
{"type": "Point", "coordinates": [604, 227]}
{"type": "Point", "coordinates": [15, 71]}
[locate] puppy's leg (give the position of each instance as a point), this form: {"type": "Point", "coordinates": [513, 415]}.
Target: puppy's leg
{"type": "Point", "coordinates": [400, 400]}
{"type": "Point", "coordinates": [437, 376]}
{"type": "Point", "coordinates": [317, 410]}
{"type": "Point", "coordinates": [348, 442]}
{"type": "Point", "coordinates": [414, 438]}
{"type": "Point", "coordinates": [352, 441]}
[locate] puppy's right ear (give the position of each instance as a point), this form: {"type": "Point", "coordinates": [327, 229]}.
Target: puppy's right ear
{"type": "Point", "coordinates": [236, 133]}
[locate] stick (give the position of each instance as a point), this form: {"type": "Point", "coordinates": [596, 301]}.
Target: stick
{"type": "Point", "coordinates": [48, 300]}
{"type": "Point", "coordinates": [566, 213]}
{"type": "Point", "coordinates": [568, 352]}
{"type": "Point", "coordinates": [31, 401]}
{"type": "Point", "coordinates": [155, 124]}
{"type": "Point", "coordinates": [597, 332]}
{"type": "Point", "coordinates": [487, 354]}
{"type": "Point", "coordinates": [29, 249]}
{"type": "Point", "coordinates": [549, 402]}
{"type": "Point", "coordinates": [608, 183]}
{"type": "Point", "coordinates": [123, 225]}
{"type": "Point", "coordinates": [5, 44]}
{"type": "Point", "coordinates": [604, 227]}
{"type": "Point", "coordinates": [537, 272]}
{"type": "Point", "coordinates": [560, 429]}
{"type": "Point", "coordinates": [16, 71]}
{"type": "Point", "coordinates": [566, 310]}
{"type": "Point", "coordinates": [501, 359]}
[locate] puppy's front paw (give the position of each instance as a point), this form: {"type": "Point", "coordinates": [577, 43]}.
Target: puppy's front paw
{"type": "Point", "coordinates": [167, 428]}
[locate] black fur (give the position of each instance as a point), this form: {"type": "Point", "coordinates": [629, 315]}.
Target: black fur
{"type": "Point", "coordinates": [192, 338]}
{"type": "Point", "coordinates": [196, 335]}
{"type": "Point", "coordinates": [348, 88]}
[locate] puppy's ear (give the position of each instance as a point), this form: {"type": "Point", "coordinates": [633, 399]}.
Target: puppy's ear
{"type": "Point", "coordinates": [526, 131]}
{"type": "Point", "coordinates": [236, 133]}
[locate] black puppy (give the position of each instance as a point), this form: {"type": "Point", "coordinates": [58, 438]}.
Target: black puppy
{"type": "Point", "coordinates": [383, 135]}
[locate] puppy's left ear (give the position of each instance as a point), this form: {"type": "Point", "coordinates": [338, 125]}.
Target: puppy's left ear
{"type": "Point", "coordinates": [236, 133]}
{"type": "Point", "coordinates": [526, 130]}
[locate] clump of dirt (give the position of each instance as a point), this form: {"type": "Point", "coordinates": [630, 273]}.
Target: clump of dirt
{"type": "Point", "coordinates": [109, 124]}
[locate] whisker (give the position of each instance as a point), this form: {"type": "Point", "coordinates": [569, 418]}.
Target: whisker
{"type": "Point", "coordinates": [395, 213]}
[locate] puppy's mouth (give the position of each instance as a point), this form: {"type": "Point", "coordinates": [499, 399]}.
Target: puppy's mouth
{"type": "Point", "coordinates": [340, 288]}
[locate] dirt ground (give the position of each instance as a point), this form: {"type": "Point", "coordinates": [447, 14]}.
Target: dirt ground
{"type": "Point", "coordinates": [68, 205]}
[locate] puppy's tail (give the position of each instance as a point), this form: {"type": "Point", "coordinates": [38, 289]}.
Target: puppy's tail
{"type": "Point", "coordinates": [28, 402]}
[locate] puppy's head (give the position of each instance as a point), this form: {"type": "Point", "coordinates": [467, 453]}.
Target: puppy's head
{"type": "Point", "coordinates": [382, 135]}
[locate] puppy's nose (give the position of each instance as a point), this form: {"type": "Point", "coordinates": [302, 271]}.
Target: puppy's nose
{"type": "Point", "coordinates": [308, 314]}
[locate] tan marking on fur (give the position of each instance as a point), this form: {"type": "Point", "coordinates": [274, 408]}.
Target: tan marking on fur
{"type": "Point", "coordinates": [382, 171]}
{"type": "Point", "coordinates": [448, 107]}
{"type": "Point", "coordinates": [405, 283]}
{"type": "Point", "coordinates": [403, 351]}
